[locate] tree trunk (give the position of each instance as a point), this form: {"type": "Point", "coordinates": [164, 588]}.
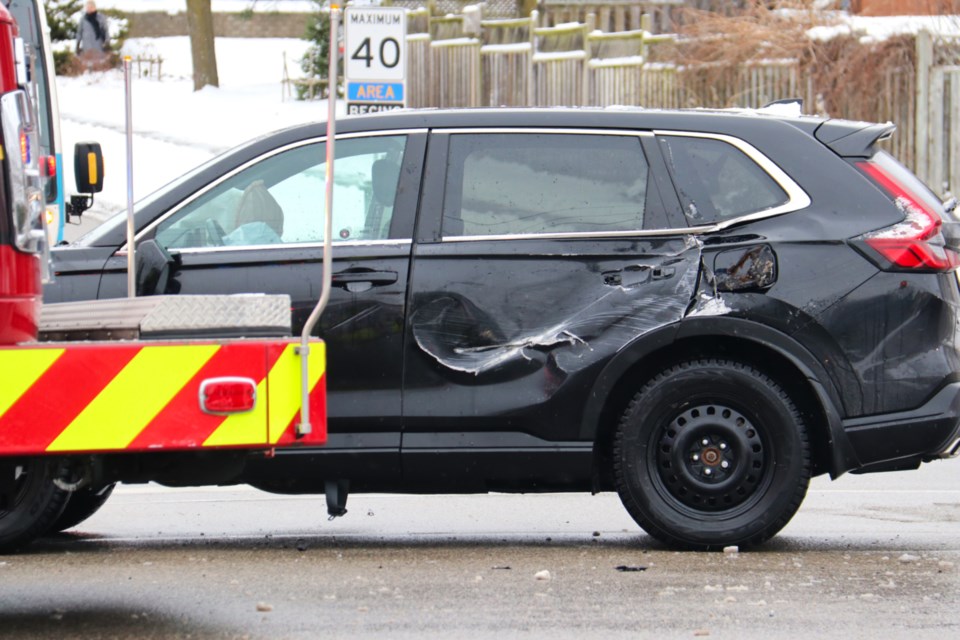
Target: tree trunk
{"type": "Point", "coordinates": [200, 24]}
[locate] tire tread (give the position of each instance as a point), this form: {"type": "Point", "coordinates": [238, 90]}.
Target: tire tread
{"type": "Point", "coordinates": [620, 472]}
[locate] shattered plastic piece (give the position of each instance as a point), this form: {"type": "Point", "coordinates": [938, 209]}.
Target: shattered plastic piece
{"type": "Point", "coordinates": [542, 575]}
{"type": "Point", "coordinates": [264, 607]}
{"type": "Point", "coordinates": [707, 306]}
{"type": "Point", "coordinates": [731, 550]}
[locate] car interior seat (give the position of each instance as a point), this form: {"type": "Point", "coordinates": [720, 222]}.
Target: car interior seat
{"type": "Point", "coordinates": [257, 205]}
{"type": "Point", "coordinates": [384, 176]}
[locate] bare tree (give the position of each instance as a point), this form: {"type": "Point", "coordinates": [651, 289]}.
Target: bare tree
{"type": "Point", "coordinates": [200, 25]}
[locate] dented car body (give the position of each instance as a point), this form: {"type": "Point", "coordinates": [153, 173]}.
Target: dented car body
{"type": "Point", "coordinates": [699, 310]}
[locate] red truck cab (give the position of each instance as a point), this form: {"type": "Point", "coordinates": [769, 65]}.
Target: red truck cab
{"type": "Point", "coordinates": [20, 284]}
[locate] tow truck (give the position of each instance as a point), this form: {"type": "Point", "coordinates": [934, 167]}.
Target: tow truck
{"type": "Point", "coordinates": [133, 389]}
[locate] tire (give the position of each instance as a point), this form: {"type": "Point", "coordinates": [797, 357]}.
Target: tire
{"type": "Point", "coordinates": [711, 453]}
{"type": "Point", "coordinates": [29, 501]}
{"type": "Point", "coordinates": [81, 504]}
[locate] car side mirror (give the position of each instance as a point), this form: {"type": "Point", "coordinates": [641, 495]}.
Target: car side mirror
{"type": "Point", "coordinates": [88, 173]}
{"type": "Point", "coordinates": [154, 265]}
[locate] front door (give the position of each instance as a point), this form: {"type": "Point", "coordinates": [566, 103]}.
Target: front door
{"type": "Point", "coordinates": [260, 229]}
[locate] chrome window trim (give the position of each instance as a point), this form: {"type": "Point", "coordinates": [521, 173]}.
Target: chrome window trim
{"type": "Point", "coordinates": [293, 145]}
{"type": "Point", "coordinates": [399, 242]}
{"type": "Point", "coordinates": [797, 198]}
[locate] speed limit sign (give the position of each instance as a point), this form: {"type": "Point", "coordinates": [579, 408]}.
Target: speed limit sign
{"type": "Point", "coordinates": [375, 62]}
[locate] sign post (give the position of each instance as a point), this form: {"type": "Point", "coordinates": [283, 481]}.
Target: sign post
{"type": "Point", "coordinates": [375, 58]}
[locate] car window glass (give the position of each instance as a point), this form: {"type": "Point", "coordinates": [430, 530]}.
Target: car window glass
{"type": "Point", "coordinates": [281, 198]}
{"type": "Point", "coordinates": [716, 181]}
{"type": "Point", "coordinates": [530, 183]}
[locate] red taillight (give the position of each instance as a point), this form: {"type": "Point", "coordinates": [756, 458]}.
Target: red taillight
{"type": "Point", "coordinates": [228, 395]}
{"type": "Point", "coordinates": [905, 244]}
{"type": "Point", "coordinates": [48, 166]}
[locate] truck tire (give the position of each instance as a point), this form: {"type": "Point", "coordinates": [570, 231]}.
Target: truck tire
{"type": "Point", "coordinates": [29, 501]}
{"type": "Point", "coordinates": [81, 504]}
{"type": "Point", "coordinates": [711, 453]}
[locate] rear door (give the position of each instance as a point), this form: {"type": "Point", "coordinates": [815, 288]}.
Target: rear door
{"type": "Point", "coordinates": [259, 230]}
{"type": "Point", "coordinates": [540, 254]}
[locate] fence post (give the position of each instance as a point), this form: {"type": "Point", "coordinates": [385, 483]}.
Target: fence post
{"type": "Point", "coordinates": [531, 86]}
{"type": "Point", "coordinates": [922, 131]}
{"type": "Point", "coordinates": [591, 24]}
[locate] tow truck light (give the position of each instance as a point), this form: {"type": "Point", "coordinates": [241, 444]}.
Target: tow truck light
{"type": "Point", "coordinates": [48, 165]}
{"type": "Point", "coordinates": [228, 395]}
{"type": "Point", "coordinates": [25, 148]}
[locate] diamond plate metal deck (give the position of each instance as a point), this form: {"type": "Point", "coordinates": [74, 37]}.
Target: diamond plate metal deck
{"type": "Point", "coordinates": [167, 317]}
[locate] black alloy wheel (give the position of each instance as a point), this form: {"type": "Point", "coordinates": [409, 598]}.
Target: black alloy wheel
{"type": "Point", "coordinates": [711, 453]}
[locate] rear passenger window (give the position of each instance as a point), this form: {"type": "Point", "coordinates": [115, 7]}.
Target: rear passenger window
{"type": "Point", "coordinates": [716, 181]}
{"type": "Point", "coordinates": [532, 183]}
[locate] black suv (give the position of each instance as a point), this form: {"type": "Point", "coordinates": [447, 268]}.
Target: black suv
{"type": "Point", "coordinates": [700, 310]}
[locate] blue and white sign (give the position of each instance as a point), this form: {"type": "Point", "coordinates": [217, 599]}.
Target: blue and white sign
{"type": "Point", "coordinates": [375, 59]}
{"type": "Point", "coordinates": [375, 92]}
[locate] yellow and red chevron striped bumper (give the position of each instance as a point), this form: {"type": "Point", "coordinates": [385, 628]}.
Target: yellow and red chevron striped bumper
{"type": "Point", "coordinates": [135, 396]}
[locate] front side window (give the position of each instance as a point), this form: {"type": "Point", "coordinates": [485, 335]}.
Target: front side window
{"type": "Point", "coordinates": [534, 183]}
{"type": "Point", "coordinates": [717, 181]}
{"type": "Point", "coordinates": [281, 198]}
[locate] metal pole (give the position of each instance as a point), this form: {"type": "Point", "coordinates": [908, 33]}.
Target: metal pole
{"type": "Point", "coordinates": [131, 229]}
{"type": "Point", "coordinates": [305, 427]}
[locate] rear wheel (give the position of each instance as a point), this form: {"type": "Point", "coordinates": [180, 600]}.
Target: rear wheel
{"type": "Point", "coordinates": [81, 504]}
{"type": "Point", "coordinates": [711, 453]}
{"type": "Point", "coordinates": [29, 501]}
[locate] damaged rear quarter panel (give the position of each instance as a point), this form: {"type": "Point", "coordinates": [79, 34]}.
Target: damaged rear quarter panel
{"type": "Point", "coordinates": [510, 334]}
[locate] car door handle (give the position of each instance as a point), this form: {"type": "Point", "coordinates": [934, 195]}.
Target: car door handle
{"type": "Point", "coordinates": [352, 278]}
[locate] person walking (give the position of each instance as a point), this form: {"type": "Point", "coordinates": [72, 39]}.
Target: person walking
{"type": "Point", "coordinates": [92, 36]}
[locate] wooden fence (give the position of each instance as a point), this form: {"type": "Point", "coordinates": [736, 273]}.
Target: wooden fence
{"type": "Point", "coordinates": [937, 113]}
{"type": "Point", "coordinates": [515, 62]}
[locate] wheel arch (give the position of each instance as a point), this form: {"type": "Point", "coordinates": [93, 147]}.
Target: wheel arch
{"type": "Point", "coordinates": [776, 354]}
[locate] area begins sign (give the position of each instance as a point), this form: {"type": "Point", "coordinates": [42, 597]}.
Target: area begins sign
{"type": "Point", "coordinates": [375, 60]}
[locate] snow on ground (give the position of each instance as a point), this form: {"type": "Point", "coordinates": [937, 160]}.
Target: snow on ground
{"type": "Point", "coordinates": [218, 6]}
{"type": "Point", "coordinates": [878, 29]}
{"type": "Point", "coordinates": [174, 127]}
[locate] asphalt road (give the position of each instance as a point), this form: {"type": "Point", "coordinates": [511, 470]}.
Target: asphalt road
{"type": "Point", "coordinates": [869, 556]}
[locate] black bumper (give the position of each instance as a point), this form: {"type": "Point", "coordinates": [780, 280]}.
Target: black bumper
{"type": "Point", "coordinates": [905, 439]}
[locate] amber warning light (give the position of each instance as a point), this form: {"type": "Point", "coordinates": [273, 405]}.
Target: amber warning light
{"type": "Point", "coordinates": [228, 395]}
{"type": "Point", "coordinates": [25, 148]}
